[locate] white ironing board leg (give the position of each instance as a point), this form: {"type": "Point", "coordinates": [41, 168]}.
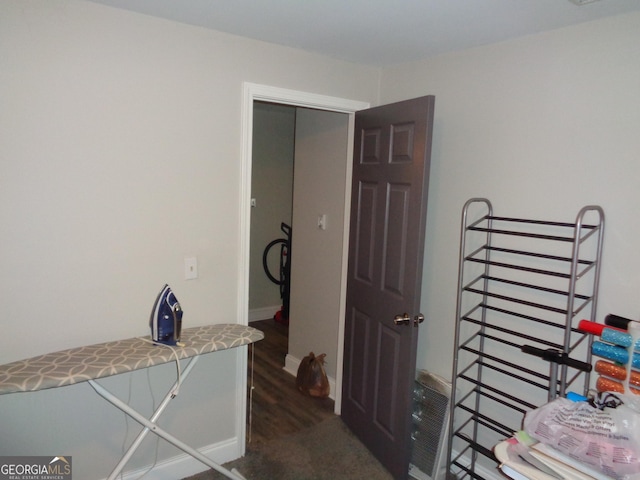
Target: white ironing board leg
{"type": "Point", "coordinates": [136, 443]}
{"type": "Point", "coordinates": [150, 425]}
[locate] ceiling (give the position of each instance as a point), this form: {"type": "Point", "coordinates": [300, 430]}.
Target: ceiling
{"type": "Point", "coordinates": [379, 32]}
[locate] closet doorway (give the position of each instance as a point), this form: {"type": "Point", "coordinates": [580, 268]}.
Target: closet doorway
{"type": "Point", "coordinates": [321, 172]}
{"type": "Point", "coordinates": [299, 179]}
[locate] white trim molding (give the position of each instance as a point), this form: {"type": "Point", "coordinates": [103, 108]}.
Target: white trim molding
{"type": "Point", "coordinates": [266, 93]}
{"type": "Point", "coordinates": [264, 313]}
{"type": "Point", "coordinates": [252, 92]}
{"type": "Point", "coordinates": [182, 466]}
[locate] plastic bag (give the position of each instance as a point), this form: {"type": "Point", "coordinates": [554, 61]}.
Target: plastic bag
{"type": "Point", "coordinates": [311, 378]}
{"type": "Point", "coordinates": [605, 436]}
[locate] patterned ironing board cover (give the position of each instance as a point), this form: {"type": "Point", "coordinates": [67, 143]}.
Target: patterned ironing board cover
{"type": "Point", "coordinates": [76, 365]}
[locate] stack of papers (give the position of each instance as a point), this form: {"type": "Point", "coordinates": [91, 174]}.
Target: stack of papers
{"type": "Point", "coordinates": [541, 462]}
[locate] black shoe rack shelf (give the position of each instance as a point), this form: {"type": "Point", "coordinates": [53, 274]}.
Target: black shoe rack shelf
{"type": "Point", "coordinates": [523, 286]}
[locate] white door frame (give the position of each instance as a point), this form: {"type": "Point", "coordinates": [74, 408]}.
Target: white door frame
{"type": "Point", "coordinates": [254, 92]}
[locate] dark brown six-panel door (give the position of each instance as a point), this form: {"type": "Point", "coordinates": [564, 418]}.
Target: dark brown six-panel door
{"type": "Point", "coordinates": [386, 245]}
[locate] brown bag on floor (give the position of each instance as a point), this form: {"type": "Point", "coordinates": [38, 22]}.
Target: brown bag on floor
{"type": "Point", "coordinates": [312, 379]}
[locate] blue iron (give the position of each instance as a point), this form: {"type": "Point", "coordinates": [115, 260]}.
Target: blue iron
{"type": "Point", "coordinates": [166, 318]}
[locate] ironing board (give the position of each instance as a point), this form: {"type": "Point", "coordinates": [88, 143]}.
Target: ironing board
{"type": "Point", "coordinates": [89, 363]}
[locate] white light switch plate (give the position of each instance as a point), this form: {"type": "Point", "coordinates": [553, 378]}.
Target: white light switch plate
{"type": "Point", "coordinates": [190, 268]}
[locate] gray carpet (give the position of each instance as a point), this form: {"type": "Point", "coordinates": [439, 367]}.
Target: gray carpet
{"type": "Point", "coordinates": [327, 451]}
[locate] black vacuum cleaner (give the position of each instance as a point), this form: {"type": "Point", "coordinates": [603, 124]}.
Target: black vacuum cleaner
{"type": "Point", "coordinates": [283, 280]}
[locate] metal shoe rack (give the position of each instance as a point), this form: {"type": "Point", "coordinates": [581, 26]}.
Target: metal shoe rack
{"type": "Point", "coordinates": [523, 287]}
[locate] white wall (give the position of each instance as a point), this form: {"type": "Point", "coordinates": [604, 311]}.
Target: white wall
{"type": "Point", "coordinates": [542, 126]}
{"type": "Point", "coordinates": [316, 255]}
{"type": "Point", "coordinates": [120, 146]}
{"type": "Point", "coordinates": [120, 151]}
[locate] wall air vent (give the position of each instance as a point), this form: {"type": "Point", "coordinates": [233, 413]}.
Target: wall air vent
{"type": "Point", "coordinates": [431, 397]}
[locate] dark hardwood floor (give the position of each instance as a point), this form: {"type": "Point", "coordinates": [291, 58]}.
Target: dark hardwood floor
{"type": "Point", "coordinates": [278, 408]}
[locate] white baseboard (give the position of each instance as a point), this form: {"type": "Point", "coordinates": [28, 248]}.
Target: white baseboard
{"type": "Point", "coordinates": [291, 365]}
{"type": "Point", "coordinates": [263, 313]}
{"type": "Point", "coordinates": [184, 465]}
{"type": "Point", "coordinates": [481, 470]}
